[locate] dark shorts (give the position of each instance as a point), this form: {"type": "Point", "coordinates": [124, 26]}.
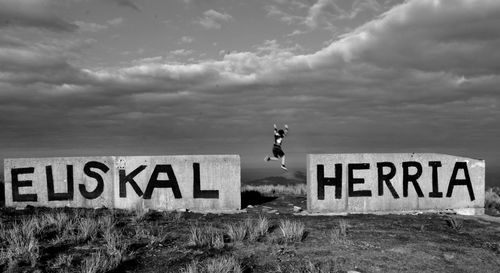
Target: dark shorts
{"type": "Point", "coordinates": [277, 152]}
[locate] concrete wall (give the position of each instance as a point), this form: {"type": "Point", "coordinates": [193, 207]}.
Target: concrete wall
{"type": "Point", "coordinates": [218, 177]}
{"type": "Point", "coordinates": [441, 183]}
{"type": "Point", "coordinates": [202, 183]}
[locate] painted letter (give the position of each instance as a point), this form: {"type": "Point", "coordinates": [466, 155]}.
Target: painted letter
{"type": "Point", "coordinates": [124, 179]}
{"type": "Point", "coordinates": [351, 180]}
{"type": "Point", "coordinates": [155, 183]}
{"type": "Point", "coordinates": [455, 182]}
{"type": "Point", "coordinates": [435, 183]}
{"type": "Point", "coordinates": [197, 192]}
{"type": "Point", "coordinates": [16, 184]}
{"type": "Point", "coordinates": [329, 181]}
{"type": "Point", "coordinates": [386, 178]}
{"type": "Point", "coordinates": [60, 196]}
{"type": "Point", "coordinates": [411, 178]}
{"type": "Point", "coordinates": [87, 169]}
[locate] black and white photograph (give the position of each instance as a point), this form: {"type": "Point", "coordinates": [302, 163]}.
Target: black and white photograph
{"type": "Point", "coordinates": [249, 136]}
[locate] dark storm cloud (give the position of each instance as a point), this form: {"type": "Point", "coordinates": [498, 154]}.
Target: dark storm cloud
{"type": "Point", "coordinates": [33, 14]}
{"type": "Point", "coordinates": [419, 78]}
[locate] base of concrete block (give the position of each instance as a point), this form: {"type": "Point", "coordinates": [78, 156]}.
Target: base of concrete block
{"type": "Point", "coordinates": [464, 211]}
{"type": "Point", "coordinates": [470, 211]}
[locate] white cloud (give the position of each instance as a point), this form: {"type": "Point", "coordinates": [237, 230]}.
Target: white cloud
{"type": "Point", "coordinates": [213, 19]}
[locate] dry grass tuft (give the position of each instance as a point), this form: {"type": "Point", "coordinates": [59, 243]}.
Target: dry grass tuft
{"type": "Point", "coordinates": [454, 223]}
{"type": "Point", "coordinates": [292, 231]}
{"type": "Point", "coordinates": [205, 237]}
{"type": "Point", "coordinates": [225, 264]}
{"type": "Point", "coordinates": [22, 245]}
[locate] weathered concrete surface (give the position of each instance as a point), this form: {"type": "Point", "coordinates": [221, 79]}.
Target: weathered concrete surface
{"type": "Point", "coordinates": [33, 177]}
{"type": "Point", "coordinates": [2, 193]}
{"type": "Point", "coordinates": [219, 180]}
{"type": "Point", "coordinates": [194, 182]}
{"type": "Point", "coordinates": [370, 192]}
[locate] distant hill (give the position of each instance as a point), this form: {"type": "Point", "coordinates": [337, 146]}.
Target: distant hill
{"type": "Point", "coordinates": [289, 178]}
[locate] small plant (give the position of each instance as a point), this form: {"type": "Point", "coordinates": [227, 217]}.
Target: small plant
{"type": "Point", "coordinates": [492, 199]}
{"type": "Point", "coordinates": [192, 267]}
{"type": "Point", "coordinates": [63, 260]}
{"type": "Point", "coordinates": [206, 237]}
{"type": "Point", "coordinates": [343, 227]}
{"type": "Point", "coordinates": [225, 264]}
{"type": "Point", "coordinates": [292, 231]}
{"type": "Point", "coordinates": [22, 244]}
{"type": "Point", "coordinates": [96, 263]}
{"type": "Point", "coordinates": [262, 225]}
{"type": "Point", "coordinates": [87, 228]}
{"type": "Point", "coordinates": [139, 214]}
{"type": "Point", "coordinates": [454, 223]}
{"type": "Point", "coordinates": [116, 245]}
{"type": "Point", "coordinates": [236, 231]}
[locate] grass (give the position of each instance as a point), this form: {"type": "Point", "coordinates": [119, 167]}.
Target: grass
{"type": "Point", "coordinates": [22, 245]}
{"type": "Point", "coordinates": [297, 189]}
{"type": "Point", "coordinates": [292, 231]}
{"type": "Point", "coordinates": [338, 235]}
{"type": "Point", "coordinates": [207, 236]}
{"type": "Point", "coordinates": [21, 240]}
{"type": "Point", "coordinates": [454, 223]}
{"type": "Point", "coordinates": [250, 229]}
{"type": "Point", "coordinates": [85, 240]}
{"type": "Point", "coordinates": [223, 264]}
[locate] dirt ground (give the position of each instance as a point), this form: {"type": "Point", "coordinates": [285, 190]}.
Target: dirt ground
{"type": "Point", "coordinates": [372, 243]}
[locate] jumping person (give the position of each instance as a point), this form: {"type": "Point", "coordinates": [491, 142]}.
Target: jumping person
{"type": "Point", "coordinates": [277, 151]}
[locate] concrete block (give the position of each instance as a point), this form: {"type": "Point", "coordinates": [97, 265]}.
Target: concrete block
{"type": "Point", "coordinates": [2, 193]}
{"type": "Point", "coordinates": [362, 183]}
{"type": "Point", "coordinates": [59, 182]}
{"type": "Point", "coordinates": [194, 182]}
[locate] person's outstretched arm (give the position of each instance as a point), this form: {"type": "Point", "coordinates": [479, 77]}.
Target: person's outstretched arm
{"type": "Point", "coordinates": [286, 129]}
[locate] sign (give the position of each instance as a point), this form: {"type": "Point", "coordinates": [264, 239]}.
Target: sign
{"type": "Point", "coordinates": [362, 183]}
{"type": "Point", "coordinates": [195, 182]}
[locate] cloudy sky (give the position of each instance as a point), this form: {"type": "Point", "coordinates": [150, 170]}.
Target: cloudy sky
{"type": "Point", "coordinates": [154, 77]}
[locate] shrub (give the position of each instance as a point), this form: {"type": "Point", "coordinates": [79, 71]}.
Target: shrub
{"type": "Point", "coordinates": [338, 234]}
{"type": "Point", "coordinates": [236, 231]}
{"type": "Point", "coordinates": [225, 264]}
{"type": "Point", "coordinates": [22, 245]}
{"type": "Point", "coordinates": [262, 225]}
{"type": "Point", "coordinates": [492, 199]}
{"type": "Point", "coordinates": [87, 228]}
{"type": "Point", "coordinates": [63, 260]}
{"type": "Point", "coordinates": [292, 231]}
{"type": "Point", "coordinates": [96, 263]}
{"type": "Point", "coordinates": [205, 237]}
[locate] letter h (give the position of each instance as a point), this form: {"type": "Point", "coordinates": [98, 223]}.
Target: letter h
{"type": "Point", "coordinates": [329, 181]}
